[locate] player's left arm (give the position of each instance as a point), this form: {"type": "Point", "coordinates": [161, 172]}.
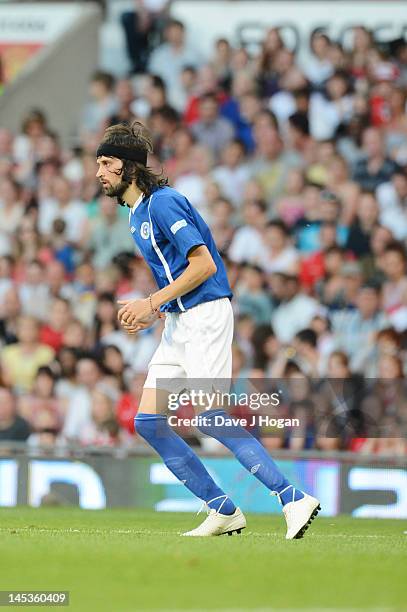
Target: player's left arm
{"type": "Point", "coordinates": [200, 267]}
{"type": "Point", "coordinates": [174, 219]}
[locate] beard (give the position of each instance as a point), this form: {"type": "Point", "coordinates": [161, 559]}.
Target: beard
{"type": "Point", "coordinates": [117, 191]}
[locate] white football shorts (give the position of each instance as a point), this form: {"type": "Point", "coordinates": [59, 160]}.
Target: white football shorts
{"type": "Point", "coordinates": [195, 349]}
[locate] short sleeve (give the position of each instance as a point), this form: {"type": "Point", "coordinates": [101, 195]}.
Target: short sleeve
{"type": "Point", "coordinates": [173, 217]}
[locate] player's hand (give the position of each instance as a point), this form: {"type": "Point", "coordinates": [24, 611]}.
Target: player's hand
{"type": "Point", "coordinates": [134, 312]}
{"type": "Point", "coordinates": [134, 329]}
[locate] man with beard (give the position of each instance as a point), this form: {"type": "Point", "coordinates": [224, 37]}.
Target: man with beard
{"type": "Point", "coordinates": [196, 343]}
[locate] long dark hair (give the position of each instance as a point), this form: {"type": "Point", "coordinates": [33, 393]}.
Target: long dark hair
{"type": "Point", "coordinates": [135, 136]}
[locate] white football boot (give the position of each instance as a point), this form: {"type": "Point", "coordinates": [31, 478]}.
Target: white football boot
{"type": "Point", "coordinates": [299, 514]}
{"type": "Point", "coordinates": [217, 524]}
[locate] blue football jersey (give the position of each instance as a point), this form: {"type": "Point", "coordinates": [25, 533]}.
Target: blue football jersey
{"type": "Point", "coordinates": [165, 227]}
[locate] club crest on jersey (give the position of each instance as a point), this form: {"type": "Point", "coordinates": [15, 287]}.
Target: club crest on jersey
{"type": "Point", "coordinates": [145, 230]}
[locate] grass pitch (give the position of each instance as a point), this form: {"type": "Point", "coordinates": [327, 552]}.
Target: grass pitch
{"type": "Point", "coordinates": [127, 560]}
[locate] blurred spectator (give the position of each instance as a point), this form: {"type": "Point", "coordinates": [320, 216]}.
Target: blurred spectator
{"type": "Point", "coordinates": [151, 96]}
{"type": "Point", "coordinates": [52, 332]}
{"type": "Point", "coordinates": [295, 310]}
{"type": "Point", "coordinates": [279, 255]}
{"type": "Point", "coordinates": [10, 311]}
{"type": "Point", "coordinates": [247, 244]}
{"type": "Point", "coordinates": [127, 406]}
{"type": "Point", "coordinates": [290, 206]}
{"type": "Point", "coordinates": [6, 269]}
{"type": "Point", "coordinates": [34, 292]}
{"type": "Point", "coordinates": [358, 241]}
{"type": "Point", "coordinates": [179, 161]}
{"type": "Point", "coordinates": [107, 235]}
{"type": "Point", "coordinates": [395, 287]}
{"type": "Point", "coordinates": [125, 96]}
{"type": "Point", "coordinates": [168, 60]}
{"type": "Point", "coordinates": [192, 183]}
{"type": "Point", "coordinates": [103, 428]}
{"type": "Point", "coordinates": [222, 224]}
{"type": "Point", "coordinates": [337, 405]}
{"type": "Point", "coordinates": [42, 408]}
{"type": "Point", "coordinates": [211, 130]}
{"type": "Point", "coordinates": [232, 175]}
{"type": "Point", "coordinates": [305, 344]}
{"type": "Point", "coordinates": [392, 198]}
{"type": "Point", "coordinates": [143, 28]}
{"type": "Point", "coordinates": [354, 331]}
{"type": "Point", "coordinates": [20, 361]}
{"type": "Point", "coordinates": [12, 426]}
{"type": "Point", "coordinates": [102, 104]}
{"type": "Point", "coordinates": [11, 207]}
{"type": "Point", "coordinates": [61, 206]}
{"type": "Point", "coordinates": [376, 168]}
{"type": "Point", "coordinates": [251, 297]}
{"type": "Point", "coordinates": [79, 410]}
{"type": "Point", "coordinates": [318, 68]}
{"type": "Point", "coordinates": [34, 127]}
{"type": "Point", "coordinates": [331, 108]}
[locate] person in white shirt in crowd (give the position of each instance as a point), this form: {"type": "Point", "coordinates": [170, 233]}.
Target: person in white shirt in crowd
{"type": "Point", "coordinates": [11, 207]}
{"type": "Point", "coordinates": [318, 66]}
{"type": "Point", "coordinates": [193, 183]}
{"type": "Point", "coordinates": [295, 310]}
{"type": "Point", "coordinates": [233, 174]}
{"type": "Point", "coordinates": [102, 104]}
{"type": "Point", "coordinates": [392, 198]}
{"type": "Point", "coordinates": [329, 110]}
{"type": "Point", "coordinates": [247, 244]}
{"type": "Point", "coordinates": [395, 286]}
{"type": "Point", "coordinates": [34, 293]}
{"type": "Point", "coordinates": [78, 416]}
{"type": "Point", "coordinates": [151, 95]}
{"type": "Point", "coordinates": [290, 80]}
{"type": "Point", "coordinates": [279, 254]}
{"type": "Point", "coordinates": [168, 60]}
{"type": "Point", "coordinates": [62, 206]}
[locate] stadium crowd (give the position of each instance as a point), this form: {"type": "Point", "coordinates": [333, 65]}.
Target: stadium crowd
{"type": "Point", "coordinates": [299, 168]}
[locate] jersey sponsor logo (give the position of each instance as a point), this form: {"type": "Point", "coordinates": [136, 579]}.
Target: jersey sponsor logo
{"type": "Point", "coordinates": [132, 229]}
{"type": "Point", "coordinates": [177, 225]}
{"type": "Point", "coordinates": [145, 230]}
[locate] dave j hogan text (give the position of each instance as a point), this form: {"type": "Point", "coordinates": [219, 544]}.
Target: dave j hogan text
{"type": "Point", "coordinates": [219, 420]}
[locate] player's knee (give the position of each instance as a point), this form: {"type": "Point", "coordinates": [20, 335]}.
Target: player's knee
{"type": "Point", "coordinates": [147, 428]}
{"type": "Point", "coordinates": [139, 426]}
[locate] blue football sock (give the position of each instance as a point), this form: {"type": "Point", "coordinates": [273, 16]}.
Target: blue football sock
{"type": "Point", "coordinates": [251, 454]}
{"type": "Point", "coordinates": [182, 461]}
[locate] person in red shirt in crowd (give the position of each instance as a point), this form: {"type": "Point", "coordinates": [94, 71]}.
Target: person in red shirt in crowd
{"type": "Point", "coordinates": [127, 406]}
{"type": "Point", "coordinates": [52, 333]}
